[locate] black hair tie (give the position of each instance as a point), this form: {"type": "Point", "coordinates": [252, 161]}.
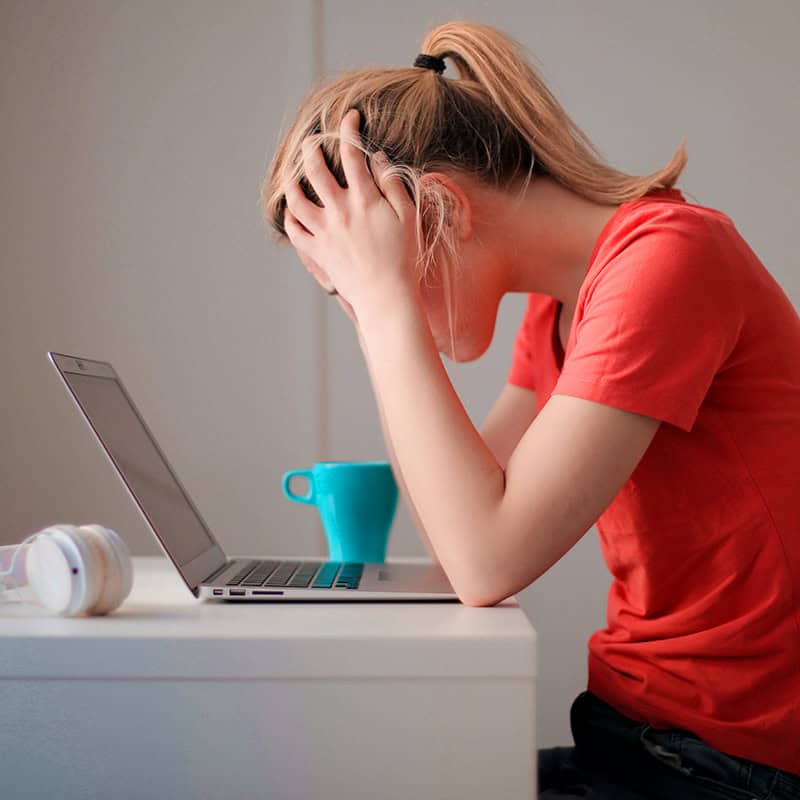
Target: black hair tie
{"type": "Point", "coordinates": [430, 62]}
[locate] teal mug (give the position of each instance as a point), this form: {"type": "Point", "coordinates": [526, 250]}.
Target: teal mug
{"type": "Point", "coordinates": [357, 502]}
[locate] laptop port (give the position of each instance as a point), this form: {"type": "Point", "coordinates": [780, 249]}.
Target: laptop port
{"type": "Point", "coordinates": [236, 592]}
{"type": "Point", "coordinates": [255, 591]}
{"type": "Point", "coordinates": [218, 591]}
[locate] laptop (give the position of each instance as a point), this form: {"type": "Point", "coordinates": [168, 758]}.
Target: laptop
{"type": "Point", "coordinates": [186, 539]}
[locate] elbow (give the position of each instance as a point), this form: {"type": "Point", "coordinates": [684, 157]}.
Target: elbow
{"type": "Point", "coordinates": [481, 581]}
{"type": "Point", "coordinates": [481, 596]}
{"type": "Point", "coordinates": [479, 601]}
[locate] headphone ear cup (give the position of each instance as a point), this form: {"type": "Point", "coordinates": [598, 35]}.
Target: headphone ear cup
{"type": "Point", "coordinates": [93, 568]}
{"type": "Point", "coordinates": [123, 554]}
{"type": "Point", "coordinates": [98, 573]}
{"type": "Point", "coordinates": [117, 568]}
{"type": "Point", "coordinates": [56, 570]}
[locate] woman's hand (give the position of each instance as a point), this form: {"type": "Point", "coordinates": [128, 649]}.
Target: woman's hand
{"type": "Point", "coordinates": [325, 282]}
{"type": "Point", "coordinates": [363, 241]}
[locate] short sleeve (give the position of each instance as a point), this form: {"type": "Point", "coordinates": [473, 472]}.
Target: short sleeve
{"type": "Point", "coordinates": [657, 323]}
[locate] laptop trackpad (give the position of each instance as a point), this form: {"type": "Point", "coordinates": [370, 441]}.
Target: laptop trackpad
{"type": "Point", "coordinates": [405, 578]}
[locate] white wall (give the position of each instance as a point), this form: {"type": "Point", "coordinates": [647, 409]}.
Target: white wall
{"type": "Point", "coordinates": [134, 136]}
{"type": "Point", "coordinates": [134, 139]}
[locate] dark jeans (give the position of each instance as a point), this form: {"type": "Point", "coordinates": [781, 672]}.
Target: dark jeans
{"type": "Point", "coordinates": [616, 758]}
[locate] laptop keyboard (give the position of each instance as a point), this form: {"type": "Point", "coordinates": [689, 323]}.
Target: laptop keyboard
{"type": "Point", "coordinates": [299, 574]}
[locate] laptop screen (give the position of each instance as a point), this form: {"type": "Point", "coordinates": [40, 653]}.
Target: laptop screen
{"type": "Point", "coordinates": [142, 466]}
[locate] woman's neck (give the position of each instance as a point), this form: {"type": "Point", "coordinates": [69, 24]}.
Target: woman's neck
{"type": "Point", "coordinates": [544, 239]}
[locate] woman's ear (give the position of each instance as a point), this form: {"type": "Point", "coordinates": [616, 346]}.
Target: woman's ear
{"type": "Point", "coordinates": [458, 209]}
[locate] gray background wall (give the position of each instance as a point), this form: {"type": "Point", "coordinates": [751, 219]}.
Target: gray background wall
{"type": "Point", "coordinates": [134, 136]}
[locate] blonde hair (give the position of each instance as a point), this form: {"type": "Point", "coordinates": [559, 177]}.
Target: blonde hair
{"type": "Point", "coordinates": [498, 123]}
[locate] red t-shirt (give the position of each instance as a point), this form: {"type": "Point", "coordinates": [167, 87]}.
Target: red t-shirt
{"type": "Point", "coordinates": [677, 319]}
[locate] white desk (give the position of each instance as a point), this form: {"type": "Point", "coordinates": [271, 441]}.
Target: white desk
{"type": "Point", "coordinates": [171, 697]}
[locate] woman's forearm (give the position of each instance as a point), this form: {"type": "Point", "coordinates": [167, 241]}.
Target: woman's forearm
{"type": "Point", "coordinates": [455, 481]}
{"type": "Point", "coordinates": [401, 484]}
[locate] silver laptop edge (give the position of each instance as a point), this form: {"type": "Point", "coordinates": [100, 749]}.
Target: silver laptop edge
{"type": "Point", "coordinates": [96, 390]}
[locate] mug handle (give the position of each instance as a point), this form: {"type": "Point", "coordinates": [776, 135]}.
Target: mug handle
{"type": "Point", "coordinates": [310, 498]}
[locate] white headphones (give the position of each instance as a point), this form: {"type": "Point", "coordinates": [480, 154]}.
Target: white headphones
{"type": "Point", "coordinates": [75, 570]}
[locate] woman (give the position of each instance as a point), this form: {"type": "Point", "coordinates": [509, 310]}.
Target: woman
{"type": "Point", "coordinates": [654, 390]}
